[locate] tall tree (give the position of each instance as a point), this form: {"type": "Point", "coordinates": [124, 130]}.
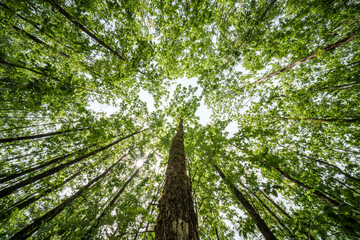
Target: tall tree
{"type": "Point", "coordinates": [177, 218]}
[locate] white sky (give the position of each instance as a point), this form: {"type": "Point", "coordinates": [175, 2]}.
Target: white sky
{"type": "Point", "coordinates": [203, 112]}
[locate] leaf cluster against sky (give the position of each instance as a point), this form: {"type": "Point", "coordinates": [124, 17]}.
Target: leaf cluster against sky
{"type": "Point", "coordinates": [282, 76]}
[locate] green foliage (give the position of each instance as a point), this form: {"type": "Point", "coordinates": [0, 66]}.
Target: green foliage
{"type": "Point", "coordinates": [297, 132]}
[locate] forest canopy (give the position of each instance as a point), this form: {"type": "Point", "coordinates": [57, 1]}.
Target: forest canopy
{"type": "Point", "coordinates": [277, 159]}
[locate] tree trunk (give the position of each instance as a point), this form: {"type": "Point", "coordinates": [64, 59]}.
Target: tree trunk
{"type": "Point", "coordinates": [275, 204]}
{"type": "Point", "coordinates": [349, 120]}
{"type": "Point", "coordinates": [283, 212]}
{"type": "Point", "coordinates": [261, 17]}
{"type": "Point", "coordinates": [5, 140]}
{"type": "Point", "coordinates": [7, 191]}
{"type": "Point", "coordinates": [177, 219]}
{"type": "Point", "coordinates": [111, 204]}
{"type": "Point", "coordinates": [316, 192]}
{"type": "Point", "coordinates": [29, 126]}
{"type": "Point", "coordinates": [55, 160]}
{"type": "Point", "coordinates": [326, 49]}
{"type": "Point", "coordinates": [260, 223]}
{"type": "Point", "coordinates": [346, 186]}
{"type": "Point", "coordinates": [33, 198]}
{"type": "Point", "coordinates": [29, 69]}
{"type": "Point", "coordinates": [84, 29]}
{"type": "Point", "coordinates": [35, 25]}
{"type": "Point", "coordinates": [324, 163]}
{"type": "Point", "coordinates": [30, 229]}
{"type": "Point", "coordinates": [35, 39]}
{"type": "Point", "coordinates": [18, 157]}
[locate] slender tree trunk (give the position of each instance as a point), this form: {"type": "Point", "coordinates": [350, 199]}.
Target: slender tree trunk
{"type": "Point", "coordinates": [28, 126]}
{"type": "Point", "coordinates": [33, 198]}
{"type": "Point", "coordinates": [326, 49]}
{"type": "Point", "coordinates": [35, 25]}
{"type": "Point", "coordinates": [324, 163]}
{"type": "Point", "coordinates": [30, 229]}
{"type": "Point", "coordinates": [275, 204]}
{"type": "Point", "coordinates": [35, 39]}
{"type": "Point", "coordinates": [40, 73]}
{"type": "Point", "coordinates": [273, 214]}
{"type": "Point", "coordinates": [350, 120]}
{"type": "Point", "coordinates": [177, 219]}
{"type": "Point", "coordinates": [7, 191]}
{"type": "Point", "coordinates": [261, 17]}
{"type": "Point", "coordinates": [345, 185]}
{"type": "Point", "coordinates": [109, 207]}
{"type": "Point", "coordinates": [344, 86]}
{"type": "Point", "coordinates": [84, 29]}
{"type": "Point", "coordinates": [316, 192]}
{"type": "Point", "coordinates": [55, 160]}
{"type": "Point", "coordinates": [260, 223]}
{"type": "Point", "coordinates": [18, 157]}
{"type": "Point", "coordinates": [5, 140]}
{"type": "Point", "coordinates": [29, 69]}
{"type": "Point", "coordinates": [283, 211]}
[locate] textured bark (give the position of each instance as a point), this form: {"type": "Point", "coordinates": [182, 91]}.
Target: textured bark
{"type": "Point", "coordinates": [259, 222]}
{"type": "Point", "coordinates": [307, 187]}
{"type": "Point", "coordinates": [30, 229]}
{"type": "Point", "coordinates": [109, 206]}
{"type": "Point", "coordinates": [177, 219]}
{"type": "Point", "coordinates": [7, 191]}
{"type": "Point", "coordinates": [326, 49]}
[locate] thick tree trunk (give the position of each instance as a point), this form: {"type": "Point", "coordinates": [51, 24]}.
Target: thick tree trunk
{"type": "Point", "coordinates": [177, 219]}
{"type": "Point", "coordinates": [109, 207]}
{"type": "Point", "coordinates": [7, 191]}
{"type": "Point", "coordinates": [260, 223]}
{"type": "Point", "coordinates": [30, 229]}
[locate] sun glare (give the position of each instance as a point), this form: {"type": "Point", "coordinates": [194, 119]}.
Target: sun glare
{"type": "Point", "coordinates": [140, 162]}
